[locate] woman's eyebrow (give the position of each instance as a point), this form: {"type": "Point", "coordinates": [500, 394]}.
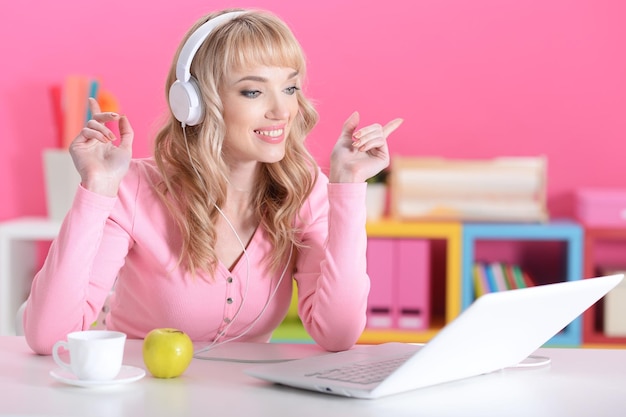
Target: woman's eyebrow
{"type": "Point", "coordinates": [252, 78]}
{"type": "Point", "coordinates": [260, 79]}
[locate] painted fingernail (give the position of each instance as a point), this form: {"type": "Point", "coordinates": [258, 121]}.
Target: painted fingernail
{"type": "Point", "coordinates": [356, 143]}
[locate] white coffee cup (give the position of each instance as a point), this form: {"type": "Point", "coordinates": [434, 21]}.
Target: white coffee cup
{"type": "Point", "coordinates": [95, 355]}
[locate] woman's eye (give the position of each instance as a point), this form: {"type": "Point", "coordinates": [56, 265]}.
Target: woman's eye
{"type": "Point", "coordinates": [250, 93]}
{"type": "Point", "coordinates": [291, 90]}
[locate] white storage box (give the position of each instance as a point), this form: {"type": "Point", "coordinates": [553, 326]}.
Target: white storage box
{"type": "Point", "coordinates": [61, 179]}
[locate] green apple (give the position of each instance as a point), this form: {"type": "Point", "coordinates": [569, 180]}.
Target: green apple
{"type": "Point", "coordinates": [167, 352]}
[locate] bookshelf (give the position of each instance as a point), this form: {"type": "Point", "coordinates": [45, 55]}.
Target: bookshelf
{"type": "Point", "coordinates": [535, 246]}
{"type": "Point", "coordinates": [551, 252]}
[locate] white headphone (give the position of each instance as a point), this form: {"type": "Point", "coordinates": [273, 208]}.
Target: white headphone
{"type": "Point", "coordinates": [184, 96]}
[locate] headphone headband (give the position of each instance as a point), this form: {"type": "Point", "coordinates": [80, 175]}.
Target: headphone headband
{"type": "Point", "coordinates": [183, 66]}
{"type": "Point", "coordinates": [185, 98]}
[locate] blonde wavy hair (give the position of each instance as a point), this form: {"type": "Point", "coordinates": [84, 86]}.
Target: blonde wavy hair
{"type": "Point", "coordinates": [253, 38]}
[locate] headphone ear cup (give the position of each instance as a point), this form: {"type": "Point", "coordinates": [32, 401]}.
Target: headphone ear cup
{"type": "Point", "coordinates": [185, 102]}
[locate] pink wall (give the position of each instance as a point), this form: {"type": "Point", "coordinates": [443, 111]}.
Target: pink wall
{"type": "Point", "coordinates": [472, 78]}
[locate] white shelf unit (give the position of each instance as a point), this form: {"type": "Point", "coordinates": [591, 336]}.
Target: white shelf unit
{"type": "Point", "coordinates": [18, 263]}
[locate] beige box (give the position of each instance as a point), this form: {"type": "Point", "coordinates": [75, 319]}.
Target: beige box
{"type": "Point", "coordinates": [615, 310]}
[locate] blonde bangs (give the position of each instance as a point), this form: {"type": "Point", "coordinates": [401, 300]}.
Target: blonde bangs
{"type": "Point", "coordinates": [255, 40]}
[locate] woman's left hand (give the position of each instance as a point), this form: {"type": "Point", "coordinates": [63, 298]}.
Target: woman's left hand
{"type": "Point", "coordinates": [360, 154]}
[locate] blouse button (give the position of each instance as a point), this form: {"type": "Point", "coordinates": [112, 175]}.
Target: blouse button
{"type": "Point", "coordinates": [229, 300]}
{"type": "Point", "coordinates": [226, 320]}
{"type": "Point", "coordinates": [229, 280]}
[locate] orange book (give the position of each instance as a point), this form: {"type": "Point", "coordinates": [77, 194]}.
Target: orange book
{"type": "Point", "coordinates": [108, 101]}
{"type": "Point", "coordinates": [75, 93]}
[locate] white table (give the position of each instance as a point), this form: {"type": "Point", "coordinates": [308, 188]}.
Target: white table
{"type": "Point", "coordinates": [579, 382]}
{"type": "Point", "coordinates": [18, 256]}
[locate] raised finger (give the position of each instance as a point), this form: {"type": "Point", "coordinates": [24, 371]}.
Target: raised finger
{"type": "Point", "coordinates": [94, 107]}
{"type": "Point", "coordinates": [350, 124]}
{"type": "Point", "coordinates": [126, 133]}
{"type": "Point", "coordinates": [391, 126]}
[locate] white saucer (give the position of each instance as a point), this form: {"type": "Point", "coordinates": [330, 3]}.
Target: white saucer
{"type": "Point", "coordinates": [127, 374]}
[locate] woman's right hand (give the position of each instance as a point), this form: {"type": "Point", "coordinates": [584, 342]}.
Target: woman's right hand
{"type": "Point", "coordinates": [100, 162]}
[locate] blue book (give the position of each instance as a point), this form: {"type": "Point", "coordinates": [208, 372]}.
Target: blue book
{"type": "Point", "coordinates": [498, 276]}
{"type": "Point", "coordinates": [491, 279]}
{"type": "Point", "coordinates": [93, 93]}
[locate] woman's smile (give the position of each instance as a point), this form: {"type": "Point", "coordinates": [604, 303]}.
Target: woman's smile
{"type": "Point", "coordinates": [271, 135]}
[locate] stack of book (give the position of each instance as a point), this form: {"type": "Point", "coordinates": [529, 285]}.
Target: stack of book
{"type": "Point", "coordinates": [499, 276]}
{"type": "Point", "coordinates": [509, 189]}
{"type": "Point", "coordinates": [70, 105]}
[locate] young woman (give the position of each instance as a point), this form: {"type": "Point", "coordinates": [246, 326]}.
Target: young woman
{"type": "Point", "coordinates": [208, 235]}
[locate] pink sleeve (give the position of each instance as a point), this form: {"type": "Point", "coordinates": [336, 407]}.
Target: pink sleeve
{"type": "Point", "coordinates": [78, 273]}
{"type": "Point", "coordinates": [331, 271]}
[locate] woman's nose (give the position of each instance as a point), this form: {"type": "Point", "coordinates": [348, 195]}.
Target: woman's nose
{"type": "Point", "coordinates": [279, 109]}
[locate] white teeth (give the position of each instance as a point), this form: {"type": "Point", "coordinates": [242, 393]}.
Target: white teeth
{"type": "Point", "coordinates": [270, 133]}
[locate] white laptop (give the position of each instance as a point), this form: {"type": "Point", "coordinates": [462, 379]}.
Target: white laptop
{"type": "Point", "coordinates": [499, 330]}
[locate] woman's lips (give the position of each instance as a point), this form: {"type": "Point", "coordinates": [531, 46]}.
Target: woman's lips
{"type": "Point", "coordinates": [275, 135]}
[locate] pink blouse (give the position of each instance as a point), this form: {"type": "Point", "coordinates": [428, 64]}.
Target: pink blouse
{"type": "Point", "coordinates": [132, 244]}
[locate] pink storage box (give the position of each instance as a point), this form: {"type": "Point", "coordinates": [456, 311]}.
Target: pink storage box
{"type": "Point", "coordinates": [380, 266]}
{"type": "Point", "coordinates": [601, 207]}
{"type": "Point", "coordinates": [399, 271]}
{"type": "Point", "coordinates": [412, 276]}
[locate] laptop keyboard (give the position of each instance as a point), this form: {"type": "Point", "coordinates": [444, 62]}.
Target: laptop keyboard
{"type": "Point", "coordinates": [365, 372]}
